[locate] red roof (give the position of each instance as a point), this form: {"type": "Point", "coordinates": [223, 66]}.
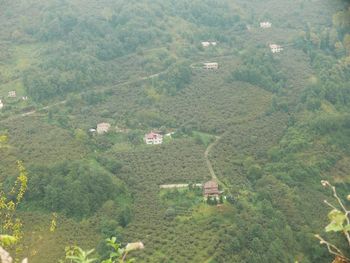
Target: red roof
{"type": "Point", "coordinates": [152, 135]}
{"type": "Point", "coordinates": [211, 188]}
{"type": "Point", "coordinates": [211, 184]}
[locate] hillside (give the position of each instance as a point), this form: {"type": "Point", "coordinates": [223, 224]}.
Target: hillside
{"type": "Point", "coordinates": [271, 125]}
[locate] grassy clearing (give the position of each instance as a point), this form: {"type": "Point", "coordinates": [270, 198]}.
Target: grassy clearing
{"type": "Point", "coordinates": [204, 138]}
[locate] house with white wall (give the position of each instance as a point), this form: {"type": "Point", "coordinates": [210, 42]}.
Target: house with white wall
{"type": "Point", "coordinates": [211, 65]}
{"type": "Point", "coordinates": [209, 43]}
{"type": "Point", "coordinates": [12, 94]}
{"type": "Point", "coordinates": [153, 138]}
{"type": "Point", "coordinates": [103, 127]}
{"type": "Point", "coordinates": [265, 24]}
{"type": "Point", "coordinates": [275, 48]}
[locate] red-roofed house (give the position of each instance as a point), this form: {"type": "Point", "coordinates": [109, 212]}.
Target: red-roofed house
{"type": "Point", "coordinates": [211, 189]}
{"type": "Point", "coordinates": [153, 138]}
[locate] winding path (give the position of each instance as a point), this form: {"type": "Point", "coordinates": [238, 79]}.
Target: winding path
{"type": "Point", "coordinates": [209, 165]}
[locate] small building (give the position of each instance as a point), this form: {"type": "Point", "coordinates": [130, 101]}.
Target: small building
{"type": "Point", "coordinates": [1, 105]}
{"type": "Point", "coordinates": [153, 138]}
{"type": "Point", "coordinates": [12, 94]}
{"type": "Point", "coordinates": [134, 246]}
{"type": "Point", "coordinates": [24, 98]}
{"type": "Point", "coordinates": [265, 24]}
{"type": "Point", "coordinates": [103, 127]}
{"type": "Point", "coordinates": [207, 43]}
{"type": "Point", "coordinates": [275, 48]}
{"type": "Point", "coordinates": [211, 65]}
{"type": "Point", "coordinates": [211, 189]}
{"type": "Point", "coordinates": [92, 130]}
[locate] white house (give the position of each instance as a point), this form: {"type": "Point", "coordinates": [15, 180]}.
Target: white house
{"type": "Point", "coordinates": [153, 138]}
{"type": "Point", "coordinates": [207, 43]}
{"type": "Point", "coordinates": [265, 24]}
{"type": "Point", "coordinates": [211, 65]}
{"type": "Point", "coordinates": [275, 48]}
{"type": "Point", "coordinates": [1, 105]}
{"type": "Point", "coordinates": [103, 127]}
{"type": "Point", "coordinates": [12, 94]}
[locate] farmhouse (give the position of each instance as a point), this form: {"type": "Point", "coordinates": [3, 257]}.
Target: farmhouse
{"type": "Point", "coordinates": [211, 189]}
{"type": "Point", "coordinates": [153, 138]}
{"type": "Point", "coordinates": [275, 48]}
{"type": "Point", "coordinates": [265, 24]}
{"type": "Point", "coordinates": [12, 94]}
{"type": "Point", "coordinates": [1, 105]}
{"type": "Point", "coordinates": [103, 127]}
{"type": "Point", "coordinates": [211, 65]}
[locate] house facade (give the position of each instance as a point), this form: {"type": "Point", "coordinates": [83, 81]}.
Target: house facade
{"type": "Point", "coordinates": [103, 127]}
{"type": "Point", "coordinates": [265, 24]}
{"type": "Point", "coordinates": [211, 65]}
{"type": "Point", "coordinates": [275, 48]}
{"type": "Point", "coordinates": [211, 189]}
{"type": "Point", "coordinates": [12, 94]}
{"type": "Point", "coordinates": [153, 138]}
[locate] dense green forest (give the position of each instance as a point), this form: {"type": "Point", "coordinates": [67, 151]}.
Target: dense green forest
{"type": "Point", "coordinates": [270, 125]}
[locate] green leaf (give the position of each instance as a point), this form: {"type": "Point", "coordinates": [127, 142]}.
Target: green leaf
{"type": "Point", "coordinates": [347, 228]}
{"type": "Point", "coordinates": [333, 227]}
{"type": "Point", "coordinates": [337, 219]}
{"type": "Point", "coordinates": [7, 240]}
{"type": "Point", "coordinates": [336, 215]}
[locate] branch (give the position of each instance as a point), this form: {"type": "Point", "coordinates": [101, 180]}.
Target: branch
{"type": "Point", "coordinates": [346, 211]}
{"type": "Point", "coordinates": [331, 248]}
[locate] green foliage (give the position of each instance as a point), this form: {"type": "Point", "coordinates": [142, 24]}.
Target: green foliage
{"type": "Point", "coordinates": [177, 78]}
{"type": "Point", "coordinates": [117, 254]}
{"type": "Point", "coordinates": [261, 70]}
{"type": "Point", "coordinates": [282, 120]}
{"type": "Point", "coordinates": [337, 219]}
{"type": "Point", "coordinates": [77, 189]}
{"type": "Point", "coordinates": [339, 222]}
{"type": "Point", "coordinates": [10, 224]}
{"type": "Point", "coordinates": [77, 255]}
